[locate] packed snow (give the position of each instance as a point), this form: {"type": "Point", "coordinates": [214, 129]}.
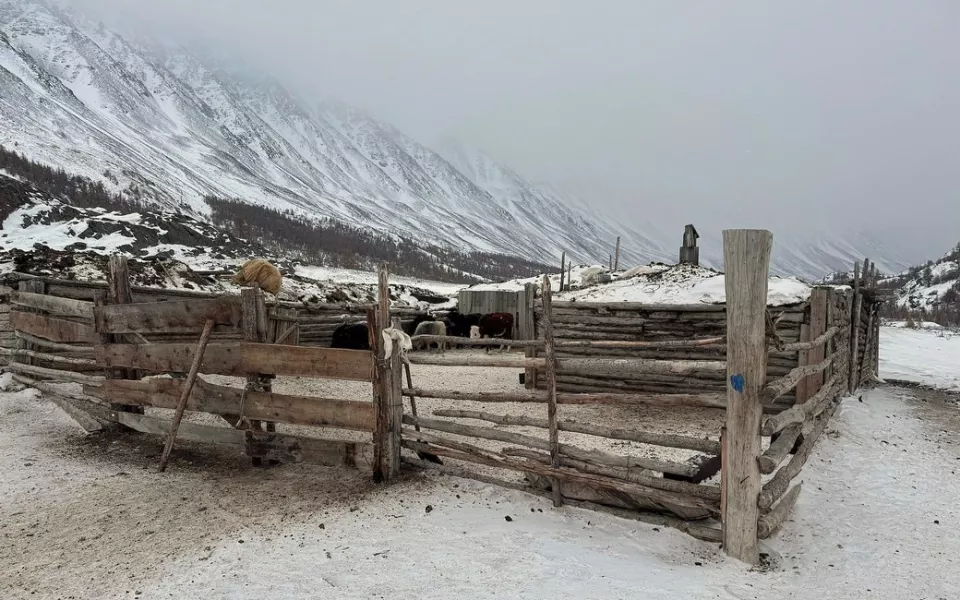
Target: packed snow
{"type": "Point", "coordinates": [929, 356]}
{"type": "Point", "coordinates": [682, 284]}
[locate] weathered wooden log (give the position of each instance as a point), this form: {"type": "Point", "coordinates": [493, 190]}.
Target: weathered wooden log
{"type": "Point", "coordinates": [639, 476]}
{"type": "Point", "coordinates": [708, 344]}
{"type": "Point", "coordinates": [625, 366]}
{"type": "Point", "coordinates": [779, 387]}
{"type": "Point", "coordinates": [643, 437]}
{"type": "Point", "coordinates": [777, 485]}
{"type": "Point", "coordinates": [54, 305]}
{"type": "Point", "coordinates": [814, 343]}
{"type": "Point", "coordinates": [85, 420]}
{"type": "Point", "coordinates": [563, 318]}
{"type": "Point", "coordinates": [551, 383]}
{"type": "Point", "coordinates": [702, 400]}
{"type": "Point", "coordinates": [712, 353]}
{"type": "Point", "coordinates": [812, 407]}
{"type": "Point", "coordinates": [462, 341]}
{"type": "Point", "coordinates": [779, 449]}
{"type": "Point", "coordinates": [476, 361]}
{"type": "Point", "coordinates": [47, 344]}
{"type": "Point", "coordinates": [591, 456]}
{"type": "Point", "coordinates": [476, 454]}
{"type": "Point", "coordinates": [86, 362]}
{"type": "Point", "coordinates": [695, 530]}
{"type": "Point", "coordinates": [639, 306]}
{"type": "Point", "coordinates": [770, 522]}
{"type": "Point", "coordinates": [56, 374]}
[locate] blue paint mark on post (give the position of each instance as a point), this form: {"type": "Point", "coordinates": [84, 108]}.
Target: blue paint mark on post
{"type": "Point", "coordinates": [737, 382]}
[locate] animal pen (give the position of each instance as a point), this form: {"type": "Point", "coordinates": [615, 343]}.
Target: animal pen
{"type": "Point", "coordinates": [768, 379]}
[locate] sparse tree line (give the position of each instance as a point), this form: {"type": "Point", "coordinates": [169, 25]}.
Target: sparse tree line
{"type": "Point", "coordinates": [319, 241]}
{"type": "Point", "coordinates": [330, 242]}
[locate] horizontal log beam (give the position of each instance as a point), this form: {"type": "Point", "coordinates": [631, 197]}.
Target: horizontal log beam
{"type": "Point", "coordinates": [54, 345]}
{"type": "Point", "coordinates": [712, 343]}
{"type": "Point", "coordinates": [476, 361]}
{"type": "Point", "coordinates": [53, 329]}
{"type": "Point", "coordinates": [779, 449]}
{"type": "Point", "coordinates": [643, 437]}
{"type": "Point", "coordinates": [463, 341]}
{"type": "Point", "coordinates": [241, 358]}
{"type": "Point", "coordinates": [54, 373]}
{"type": "Point", "coordinates": [53, 304]}
{"type": "Point", "coordinates": [260, 444]}
{"type": "Point", "coordinates": [85, 420]}
{"type": "Point", "coordinates": [15, 352]}
{"type": "Point", "coordinates": [172, 316]}
{"type": "Point", "coordinates": [591, 456]}
{"type": "Point", "coordinates": [715, 400]}
{"type": "Point", "coordinates": [495, 459]}
{"type": "Point", "coordinates": [769, 523]}
{"type": "Point", "coordinates": [639, 306]}
{"type": "Point", "coordinates": [781, 386]}
{"type": "Point", "coordinates": [625, 366]}
{"type": "Point", "coordinates": [640, 476]}
{"type": "Point", "coordinates": [814, 343]}
{"type": "Point", "coordinates": [812, 407]}
{"type": "Point", "coordinates": [223, 400]}
{"type": "Point", "coordinates": [773, 489]}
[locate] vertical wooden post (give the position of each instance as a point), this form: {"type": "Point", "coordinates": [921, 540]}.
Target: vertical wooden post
{"type": "Point", "coordinates": [855, 327]}
{"type": "Point", "coordinates": [819, 300]}
{"type": "Point", "coordinates": [563, 268]}
{"type": "Point", "coordinates": [569, 274]}
{"type": "Point", "coordinates": [616, 258]}
{"type": "Point", "coordinates": [388, 390]}
{"type": "Point", "coordinates": [34, 286]}
{"type": "Point", "coordinates": [118, 292]}
{"type": "Point", "coordinates": [529, 330]}
{"type": "Point", "coordinates": [551, 367]}
{"type": "Point", "coordinates": [255, 326]}
{"type": "Point", "coordinates": [746, 255]}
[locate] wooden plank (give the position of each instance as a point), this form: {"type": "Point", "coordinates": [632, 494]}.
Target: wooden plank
{"type": "Point", "coordinates": [241, 358]}
{"type": "Point", "coordinates": [705, 400]}
{"type": "Point", "coordinates": [781, 386]}
{"type": "Point", "coordinates": [223, 400]}
{"type": "Point", "coordinates": [803, 360]}
{"type": "Point", "coordinates": [819, 301]}
{"type": "Point", "coordinates": [779, 448]}
{"type": "Point", "coordinates": [40, 342]}
{"type": "Point", "coordinates": [746, 256]}
{"type": "Point", "coordinates": [52, 304]}
{"type": "Point", "coordinates": [53, 329]}
{"type": "Point", "coordinates": [176, 316]}
{"type": "Point", "coordinates": [626, 366]}
{"type": "Point", "coordinates": [453, 360]}
{"type": "Point", "coordinates": [388, 398]}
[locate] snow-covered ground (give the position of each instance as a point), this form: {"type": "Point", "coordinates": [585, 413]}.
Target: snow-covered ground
{"type": "Point", "coordinates": [368, 277]}
{"type": "Point", "coordinates": [929, 356]}
{"type": "Point", "coordinates": [89, 517]}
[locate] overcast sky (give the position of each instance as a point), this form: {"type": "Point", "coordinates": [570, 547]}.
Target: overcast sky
{"type": "Point", "coordinates": [737, 113]}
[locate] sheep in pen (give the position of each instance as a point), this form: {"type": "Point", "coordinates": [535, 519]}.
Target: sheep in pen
{"type": "Point", "coordinates": [262, 273]}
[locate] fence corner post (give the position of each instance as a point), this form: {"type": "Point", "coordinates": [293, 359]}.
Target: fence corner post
{"type": "Point", "coordinates": [387, 389]}
{"type": "Point", "coordinates": [746, 255]}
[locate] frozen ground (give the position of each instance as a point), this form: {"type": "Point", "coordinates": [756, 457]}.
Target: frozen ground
{"type": "Point", "coordinates": [929, 356]}
{"type": "Point", "coordinates": [89, 517]}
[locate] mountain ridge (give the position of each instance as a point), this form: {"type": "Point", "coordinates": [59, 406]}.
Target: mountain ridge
{"type": "Point", "coordinates": [160, 123]}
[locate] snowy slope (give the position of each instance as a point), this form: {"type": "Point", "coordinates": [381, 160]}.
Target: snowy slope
{"type": "Point", "coordinates": [929, 287]}
{"type": "Point", "coordinates": [160, 123]}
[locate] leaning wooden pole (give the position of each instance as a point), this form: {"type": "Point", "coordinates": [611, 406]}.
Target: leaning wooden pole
{"type": "Point", "coordinates": [551, 389]}
{"type": "Point", "coordinates": [746, 255]}
{"type": "Point", "coordinates": [185, 395]}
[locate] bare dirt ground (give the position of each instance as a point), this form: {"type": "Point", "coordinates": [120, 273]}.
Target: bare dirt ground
{"type": "Point", "coordinates": [90, 517]}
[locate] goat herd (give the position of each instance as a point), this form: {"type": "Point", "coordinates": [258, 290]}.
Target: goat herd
{"type": "Point", "coordinates": [356, 336]}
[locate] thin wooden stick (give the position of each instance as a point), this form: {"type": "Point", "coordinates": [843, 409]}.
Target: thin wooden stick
{"type": "Point", "coordinates": [187, 387]}
{"type": "Point", "coordinates": [551, 390]}
{"type": "Point", "coordinates": [54, 373]}
{"type": "Point", "coordinates": [703, 400]}
{"type": "Point", "coordinates": [85, 362]}
{"type": "Point", "coordinates": [37, 341]}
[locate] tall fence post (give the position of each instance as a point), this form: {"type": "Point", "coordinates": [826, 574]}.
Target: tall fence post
{"type": "Point", "coordinates": [855, 328]}
{"type": "Point", "coordinates": [616, 258]}
{"type": "Point", "coordinates": [118, 292]}
{"type": "Point", "coordinates": [563, 269]}
{"type": "Point", "coordinates": [388, 390]}
{"type": "Point", "coordinates": [746, 255]}
{"type": "Point", "coordinates": [548, 352]}
{"type": "Point", "coordinates": [528, 329]}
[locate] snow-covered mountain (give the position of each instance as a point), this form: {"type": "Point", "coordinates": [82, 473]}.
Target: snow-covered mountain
{"type": "Point", "coordinates": [932, 287]}
{"type": "Point", "coordinates": [160, 123]}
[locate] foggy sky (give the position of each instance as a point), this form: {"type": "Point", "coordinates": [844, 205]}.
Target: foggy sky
{"type": "Point", "coordinates": [750, 113]}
